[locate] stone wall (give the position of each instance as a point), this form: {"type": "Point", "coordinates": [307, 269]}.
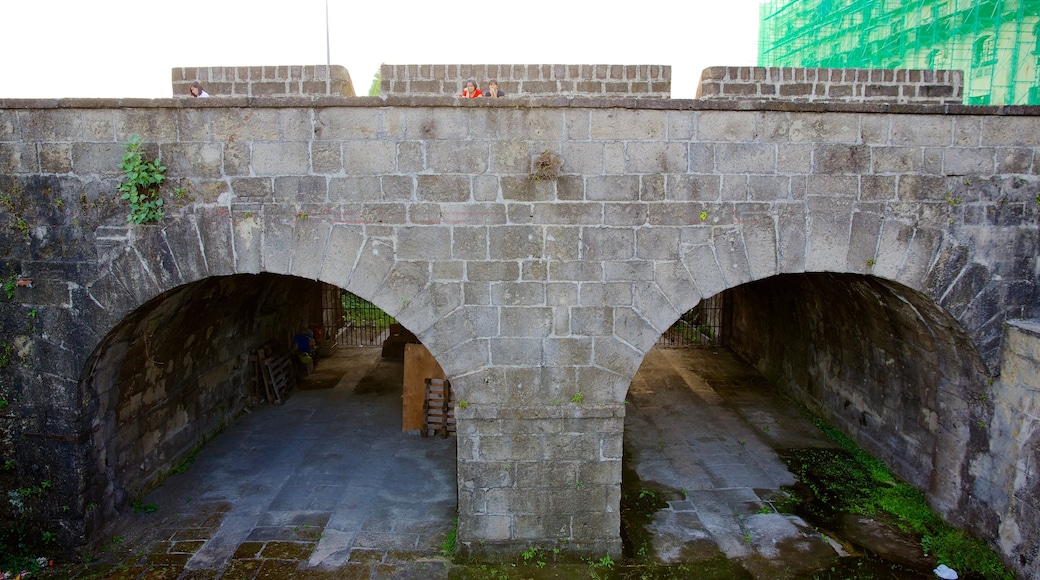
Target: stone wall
{"type": "Point", "coordinates": [843, 85]}
{"type": "Point", "coordinates": [1014, 435]}
{"type": "Point", "coordinates": [530, 80]}
{"type": "Point", "coordinates": [530, 291]}
{"type": "Point", "coordinates": [866, 355]}
{"type": "Point", "coordinates": [264, 81]}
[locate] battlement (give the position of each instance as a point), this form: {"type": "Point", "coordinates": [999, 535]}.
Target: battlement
{"type": "Point", "coordinates": [531, 80]}
{"type": "Point", "coordinates": [265, 81]}
{"type": "Point", "coordinates": [842, 85]}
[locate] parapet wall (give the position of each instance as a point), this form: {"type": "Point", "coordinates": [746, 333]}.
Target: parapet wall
{"type": "Point", "coordinates": [843, 85]}
{"type": "Point", "coordinates": [530, 80]}
{"type": "Point", "coordinates": [265, 81]}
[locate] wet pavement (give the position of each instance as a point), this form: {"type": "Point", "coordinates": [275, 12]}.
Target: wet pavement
{"type": "Point", "coordinates": [327, 485]}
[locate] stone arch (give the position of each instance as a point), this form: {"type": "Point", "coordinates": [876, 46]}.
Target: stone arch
{"type": "Point", "coordinates": [172, 277]}
{"type": "Point", "coordinates": [914, 398]}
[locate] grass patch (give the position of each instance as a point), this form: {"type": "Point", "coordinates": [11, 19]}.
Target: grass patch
{"type": "Point", "coordinates": [449, 545]}
{"type": "Point", "coordinates": [851, 480]}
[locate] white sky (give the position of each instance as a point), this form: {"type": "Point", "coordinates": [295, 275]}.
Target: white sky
{"type": "Point", "coordinates": [126, 48]}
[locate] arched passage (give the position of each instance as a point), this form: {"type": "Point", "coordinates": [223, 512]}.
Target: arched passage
{"type": "Point", "coordinates": [882, 361]}
{"type": "Point", "coordinates": [177, 370]}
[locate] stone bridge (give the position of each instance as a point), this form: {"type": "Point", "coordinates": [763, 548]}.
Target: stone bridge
{"type": "Point", "coordinates": [880, 260]}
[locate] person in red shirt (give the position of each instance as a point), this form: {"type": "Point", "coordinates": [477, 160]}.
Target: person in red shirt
{"type": "Point", "coordinates": [470, 90]}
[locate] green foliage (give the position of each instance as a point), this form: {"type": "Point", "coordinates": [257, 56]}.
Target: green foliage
{"type": "Point", "coordinates": [140, 185]}
{"type": "Point", "coordinates": [148, 508]}
{"type": "Point", "coordinates": [448, 546]}
{"type": "Point", "coordinates": [851, 480]}
{"type": "Point", "coordinates": [373, 90]}
{"type": "Point", "coordinates": [5, 357]}
{"type": "Point", "coordinates": [360, 312]}
{"type": "Point", "coordinates": [10, 283]}
{"type": "Point", "coordinates": [578, 397]}
{"type": "Point", "coordinates": [704, 216]}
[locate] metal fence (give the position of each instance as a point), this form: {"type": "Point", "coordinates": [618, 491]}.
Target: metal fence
{"type": "Point", "coordinates": [704, 325]}
{"type": "Point", "coordinates": [365, 324]}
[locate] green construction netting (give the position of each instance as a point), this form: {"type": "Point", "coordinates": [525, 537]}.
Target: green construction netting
{"type": "Point", "coordinates": [995, 42]}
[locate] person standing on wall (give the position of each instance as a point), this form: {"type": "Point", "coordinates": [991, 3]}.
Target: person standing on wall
{"type": "Point", "coordinates": [196, 91]}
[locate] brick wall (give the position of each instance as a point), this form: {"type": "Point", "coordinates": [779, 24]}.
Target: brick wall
{"type": "Point", "coordinates": [530, 79]}
{"type": "Point", "coordinates": [265, 81]}
{"type": "Point", "coordinates": [846, 85]}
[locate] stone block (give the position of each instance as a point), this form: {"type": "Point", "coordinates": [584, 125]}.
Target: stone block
{"type": "Point", "coordinates": [273, 158]}
{"type": "Point", "coordinates": [370, 157]}
{"type": "Point", "coordinates": [309, 251]}
{"type": "Point", "coordinates": [745, 157]}
{"type": "Point", "coordinates": [300, 189]}
{"type": "Point", "coordinates": [355, 189]}
{"type": "Point", "coordinates": [572, 351]}
{"type": "Point", "coordinates": [442, 188]}
{"type": "Point", "coordinates": [693, 188]}
{"type": "Point", "coordinates": [56, 125]}
{"type": "Point", "coordinates": [612, 188]}
{"type": "Point", "coordinates": [620, 124]}
{"type": "Point", "coordinates": [576, 271]}
{"type": "Point", "coordinates": [569, 213]}
{"type": "Point", "coordinates": [824, 128]}
{"type": "Point", "coordinates": [18, 158]}
{"type": "Point", "coordinates": [193, 159]}
{"type": "Point", "coordinates": [525, 322]}
{"type": "Point", "coordinates": [969, 161]}
{"type": "Point", "coordinates": [489, 528]}
{"type": "Point", "coordinates": [457, 157]}
{"type": "Point", "coordinates": [99, 158]}
{"type": "Point", "coordinates": [423, 243]}
{"type": "Point", "coordinates": [524, 188]}
{"type": "Point", "coordinates": [515, 242]}
{"type": "Point", "coordinates": [625, 214]}
{"type": "Point", "coordinates": [829, 234]}
{"type": "Point", "coordinates": [607, 243]}
{"type": "Point", "coordinates": [518, 294]}
{"type": "Point", "coordinates": [656, 157]}
{"type": "Point", "coordinates": [841, 158]}
{"type": "Point", "coordinates": [591, 321]}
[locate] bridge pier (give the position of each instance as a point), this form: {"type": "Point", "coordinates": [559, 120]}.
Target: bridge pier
{"type": "Point", "coordinates": [541, 476]}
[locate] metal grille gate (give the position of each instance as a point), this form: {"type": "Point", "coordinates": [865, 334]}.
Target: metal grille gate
{"type": "Point", "coordinates": [704, 325]}
{"type": "Point", "coordinates": [364, 323]}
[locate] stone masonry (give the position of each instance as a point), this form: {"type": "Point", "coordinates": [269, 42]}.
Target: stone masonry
{"type": "Point", "coordinates": [847, 85]}
{"type": "Point", "coordinates": [539, 298]}
{"type": "Point", "coordinates": [264, 81]}
{"type": "Point", "coordinates": [530, 80]}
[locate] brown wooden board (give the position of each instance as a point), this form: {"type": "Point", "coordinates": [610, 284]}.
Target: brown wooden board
{"type": "Point", "coordinates": [419, 365]}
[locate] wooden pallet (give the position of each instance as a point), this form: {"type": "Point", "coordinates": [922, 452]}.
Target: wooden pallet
{"type": "Point", "coordinates": [439, 408]}
{"type": "Point", "coordinates": [278, 375]}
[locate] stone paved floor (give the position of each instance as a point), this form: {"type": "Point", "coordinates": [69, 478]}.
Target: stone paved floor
{"type": "Point", "coordinates": [706, 424]}
{"type": "Point", "coordinates": [324, 486]}
{"type": "Point", "coordinates": [327, 486]}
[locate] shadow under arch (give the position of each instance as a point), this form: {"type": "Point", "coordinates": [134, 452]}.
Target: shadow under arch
{"type": "Point", "coordinates": [882, 361]}
{"type": "Point", "coordinates": [173, 373]}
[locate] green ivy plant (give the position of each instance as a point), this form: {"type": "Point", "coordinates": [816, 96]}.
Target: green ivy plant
{"type": "Point", "coordinates": [140, 185]}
